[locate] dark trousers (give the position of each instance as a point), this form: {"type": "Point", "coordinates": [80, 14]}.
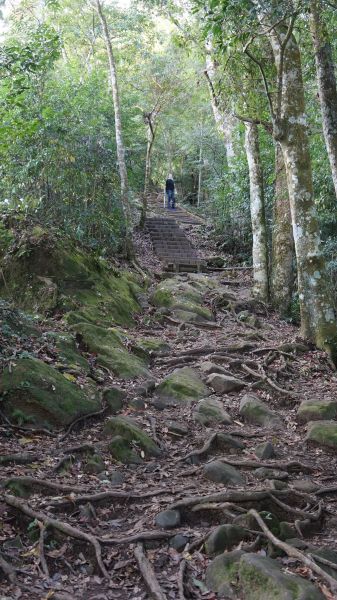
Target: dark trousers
{"type": "Point", "coordinates": [170, 198]}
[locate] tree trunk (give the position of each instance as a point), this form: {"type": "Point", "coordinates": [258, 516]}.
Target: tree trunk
{"type": "Point", "coordinates": [318, 317]}
{"type": "Point", "coordinates": [200, 165]}
{"type": "Point", "coordinates": [326, 83]}
{"type": "Point", "coordinates": [257, 211]}
{"type": "Point", "coordinates": [118, 119]}
{"type": "Point", "coordinates": [282, 273]}
{"type": "Point", "coordinates": [223, 119]}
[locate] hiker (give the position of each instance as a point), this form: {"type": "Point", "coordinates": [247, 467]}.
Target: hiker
{"type": "Point", "coordinates": [169, 189]}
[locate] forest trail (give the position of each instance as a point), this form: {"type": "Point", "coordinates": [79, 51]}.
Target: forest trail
{"type": "Point", "coordinates": [217, 426]}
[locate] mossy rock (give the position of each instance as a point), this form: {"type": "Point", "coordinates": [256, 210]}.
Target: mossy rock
{"type": "Point", "coordinates": [323, 433]}
{"type": "Point", "coordinates": [121, 451]}
{"type": "Point", "coordinates": [129, 431]}
{"type": "Point", "coordinates": [261, 578]}
{"type": "Point", "coordinates": [316, 410]}
{"type": "Point", "coordinates": [248, 522]}
{"type": "Point", "coordinates": [194, 308]}
{"type": "Point", "coordinates": [144, 347]}
{"type": "Point", "coordinates": [68, 352]}
{"type": "Point", "coordinates": [108, 347]}
{"type": "Point", "coordinates": [47, 271]}
{"type": "Point", "coordinates": [182, 385]}
{"type": "Point", "coordinates": [35, 393]}
{"type": "Point", "coordinates": [95, 464]}
{"type": "Point", "coordinates": [257, 412]}
{"type": "Point", "coordinates": [224, 537]}
{"type": "Point", "coordinates": [211, 410]}
{"type": "Point", "coordinates": [15, 323]}
{"type": "Point", "coordinates": [114, 398]}
{"type": "Point", "coordinates": [222, 574]}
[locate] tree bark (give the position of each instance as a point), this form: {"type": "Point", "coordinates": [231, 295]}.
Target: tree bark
{"type": "Point", "coordinates": [223, 119]}
{"type": "Point", "coordinates": [318, 316]}
{"type": "Point", "coordinates": [326, 80]}
{"type": "Point", "coordinates": [282, 270]}
{"type": "Point", "coordinates": [257, 211]}
{"type": "Point", "coordinates": [118, 118]}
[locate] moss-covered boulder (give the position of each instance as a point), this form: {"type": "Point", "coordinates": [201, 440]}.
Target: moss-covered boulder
{"type": "Point", "coordinates": [184, 298]}
{"type": "Point", "coordinates": [107, 345]}
{"type": "Point", "coordinates": [182, 385]}
{"type": "Point", "coordinates": [34, 393]}
{"type": "Point", "coordinates": [262, 579]}
{"type": "Point", "coordinates": [67, 350]}
{"type": "Point", "coordinates": [224, 537]}
{"type": "Point", "coordinates": [130, 432]}
{"type": "Point", "coordinates": [257, 412]}
{"type": "Point", "coordinates": [46, 271]}
{"type": "Point", "coordinates": [121, 450]}
{"type": "Point", "coordinates": [220, 472]}
{"type": "Point", "coordinates": [222, 574]}
{"type": "Point", "coordinates": [211, 410]}
{"type": "Point", "coordinates": [144, 347]}
{"type": "Point", "coordinates": [316, 410]}
{"type": "Point", "coordinates": [323, 433]}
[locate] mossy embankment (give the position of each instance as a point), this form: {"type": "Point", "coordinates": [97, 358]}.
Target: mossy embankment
{"type": "Point", "coordinates": [62, 313]}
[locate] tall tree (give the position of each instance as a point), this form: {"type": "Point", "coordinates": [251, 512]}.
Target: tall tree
{"type": "Point", "coordinates": [118, 116]}
{"type": "Point", "coordinates": [282, 260]}
{"type": "Point", "coordinates": [290, 129]}
{"type": "Point", "coordinates": [257, 210]}
{"type": "Point", "coordinates": [326, 80]}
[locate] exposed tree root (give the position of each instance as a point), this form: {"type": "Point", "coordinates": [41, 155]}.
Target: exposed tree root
{"type": "Point", "coordinates": [97, 413]}
{"type": "Point", "coordinates": [19, 459]}
{"type": "Point", "coordinates": [148, 574]}
{"type": "Point", "coordinates": [60, 526]}
{"type": "Point", "coordinates": [142, 536]}
{"type": "Point", "coordinates": [7, 569]}
{"type": "Point", "coordinates": [264, 377]}
{"type": "Point", "coordinates": [240, 497]}
{"type": "Point", "coordinates": [297, 511]}
{"type": "Point", "coordinates": [34, 483]}
{"type": "Point", "coordinates": [292, 466]}
{"type": "Point", "coordinates": [294, 552]}
{"type": "Point", "coordinates": [43, 561]}
{"type": "Point", "coordinates": [104, 496]}
{"type": "Point", "coordinates": [181, 575]}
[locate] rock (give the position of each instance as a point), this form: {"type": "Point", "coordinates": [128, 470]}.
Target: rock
{"type": "Point", "coordinates": [33, 393]}
{"type": "Point", "coordinates": [144, 347]}
{"type": "Point", "coordinates": [248, 522]}
{"type": "Point", "coordinates": [210, 411]}
{"type": "Point", "coordinates": [267, 473]}
{"type": "Point", "coordinates": [114, 398]}
{"type": "Point", "coordinates": [175, 427]}
{"type": "Point", "coordinates": [145, 388]}
{"type": "Point", "coordinates": [265, 451]}
{"type": "Point", "coordinates": [116, 478]}
{"type": "Point", "coordinates": [328, 554]}
{"type": "Point", "coordinates": [276, 484]}
{"type": "Point", "coordinates": [178, 542]}
{"type": "Point", "coordinates": [137, 404]}
{"type": "Point", "coordinates": [305, 485]}
{"type": "Point", "coordinates": [107, 344]}
{"type": "Point", "coordinates": [222, 384]}
{"type": "Point", "coordinates": [121, 450]}
{"type": "Point", "coordinates": [222, 573]}
{"type": "Point", "coordinates": [257, 412]}
{"type": "Point", "coordinates": [215, 261]}
{"type": "Point", "coordinates": [224, 537]}
{"type": "Point", "coordinates": [297, 543]}
{"type": "Point", "coordinates": [168, 519]}
{"type": "Point", "coordinates": [287, 530]}
{"type": "Point", "coordinates": [316, 410]}
{"type": "Point", "coordinates": [222, 473]}
{"type": "Point", "coordinates": [323, 433]}
{"type": "Point", "coordinates": [95, 464]}
{"type": "Point", "coordinates": [262, 579]}
{"type": "Point", "coordinates": [162, 403]}
{"type": "Point", "coordinates": [130, 432]}
{"type": "Point", "coordinates": [225, 440]}
{"type": "Point", "coordinates": [209, 367]}
{"type": "Point", "coordinates": [182, 385]}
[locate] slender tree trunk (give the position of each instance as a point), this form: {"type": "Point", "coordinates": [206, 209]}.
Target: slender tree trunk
{"type": "Point", "coordinates": [223, 119]}
{"type": "Point", "coordinates": [282, 272]}
{"type": "Point", "coordinates": [257, 211]}
{"type": "Point", "coordinates": [326, 83]}
{"type": "Point", "coordinates": [200, 165]}
{"type": "Point", "coordinates": [318, 317]}
{"type": "Point", "coordinates": [118, 118]}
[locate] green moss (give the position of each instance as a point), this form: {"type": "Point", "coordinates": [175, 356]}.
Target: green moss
{"type": "Point", "coordinates": [121, 451]}
{"type": "Point", "coordinates": [162, 297]}
{"type": "Point", "coordinates": [316, 410]}
{"type": "Point", "coordinates": [193, 308]}
{"type": "Point", "coordinates": [323, 432]}
{"type": "Point", "coordinates": [67, 350]}
{"type": "Point", "coordinates": [183, 384]}
{"type": "Point", "coordinates": [129, 431]}
{"type": "Point", "coordinates": [143, 347]}
{"type": "Point", "coordinates": [222, 573]}
{"type": "Point", "coordinates": [107, 345]}
{"type": "Point", "coordinates": [43, 395]}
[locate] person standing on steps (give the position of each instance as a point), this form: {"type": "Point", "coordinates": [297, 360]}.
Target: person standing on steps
{"type": "Point", "coordinates": [169, 189]}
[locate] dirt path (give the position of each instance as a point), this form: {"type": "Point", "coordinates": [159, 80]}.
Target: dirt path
{"type": "Point", "coordinates": [72, 533]}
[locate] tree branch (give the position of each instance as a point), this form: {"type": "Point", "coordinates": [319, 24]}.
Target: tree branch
{"type": "Point", "coordinates": [264, 78]}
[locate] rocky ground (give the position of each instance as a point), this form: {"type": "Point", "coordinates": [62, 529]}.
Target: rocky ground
{"type": "Point", "coordinates": [175, 441]}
